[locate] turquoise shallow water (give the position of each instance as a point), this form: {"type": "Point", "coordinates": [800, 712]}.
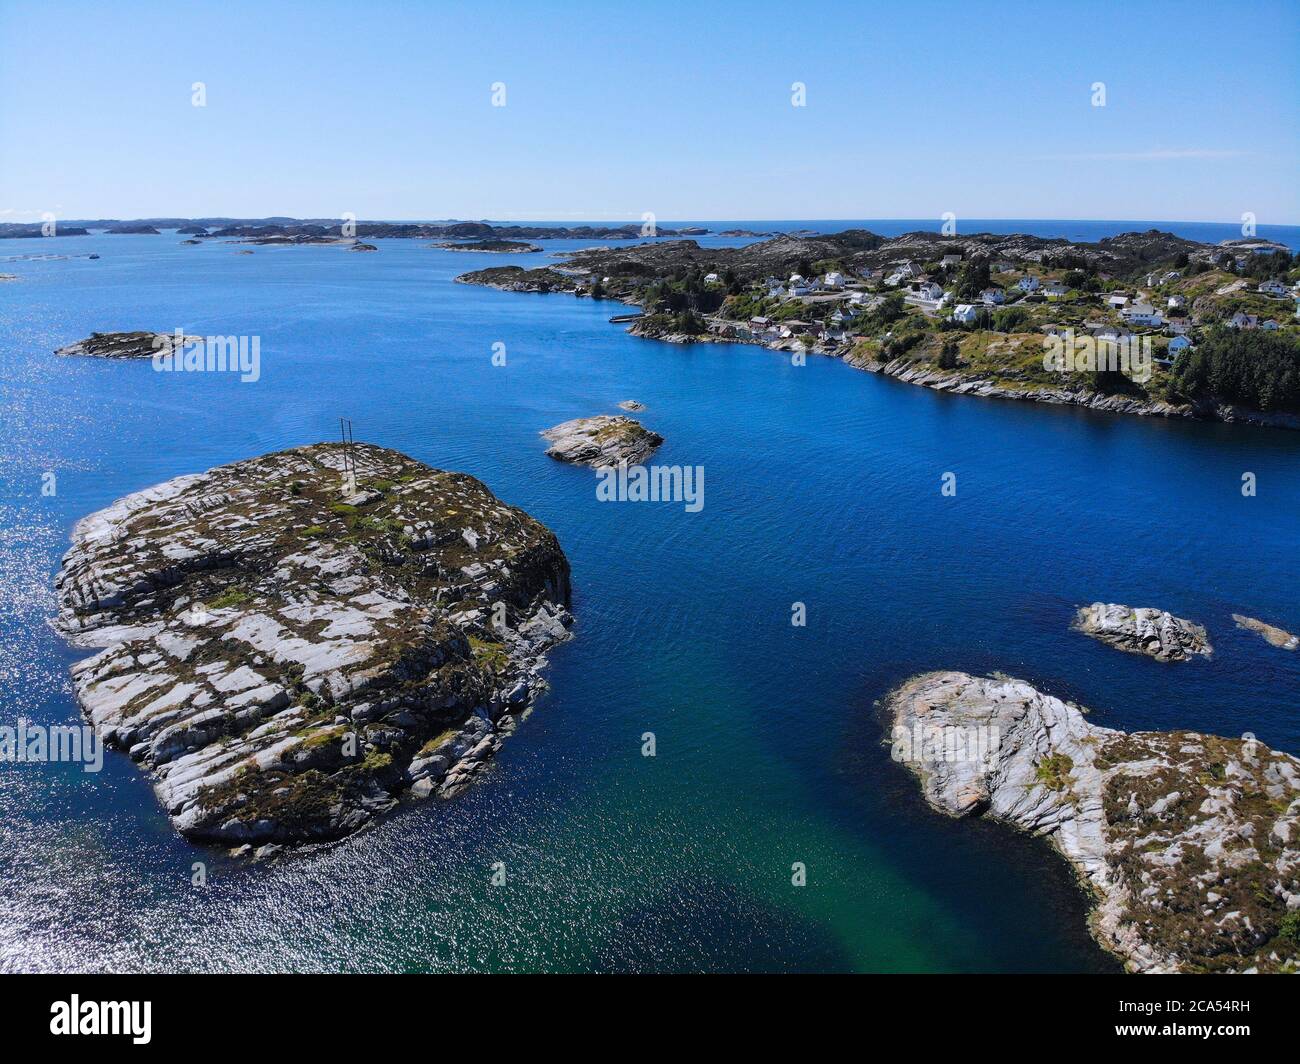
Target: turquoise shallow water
{"type": "Point", "coordinates": [822, 486]}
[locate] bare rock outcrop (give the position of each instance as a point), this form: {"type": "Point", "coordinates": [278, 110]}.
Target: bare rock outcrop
{"type": "Point", "coordinates": [1278, 637]}
{"type": "Point", "coordinates": [126, 345]}
{"type": "Point", "coordinates": [1189, 843]}
{"type": "Point", "coordinates": [602, 441]}
{"type": "Point", "coordinates": [291, 642]}
{"type": "Point", "coordinates": [1143, 630]}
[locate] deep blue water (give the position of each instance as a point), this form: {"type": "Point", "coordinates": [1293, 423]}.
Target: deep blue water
{"type": "Point", "coordinates": [822, 486]}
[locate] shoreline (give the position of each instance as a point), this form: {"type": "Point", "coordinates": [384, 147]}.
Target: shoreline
{"type": "Point", "coordinates": [953, 382]}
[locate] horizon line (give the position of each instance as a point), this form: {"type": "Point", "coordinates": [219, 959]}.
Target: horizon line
{"type": "Point", "coordinates": [613, 223]}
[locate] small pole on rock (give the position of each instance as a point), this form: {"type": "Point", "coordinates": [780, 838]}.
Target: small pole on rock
{"type": "Point", "coordinates": [349, 457]}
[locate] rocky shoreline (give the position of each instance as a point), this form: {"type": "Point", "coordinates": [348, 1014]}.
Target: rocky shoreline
{"type": "Point", "coordinates": [628, 273]}
{"type": "Point", "coordinates": [909, 372]}
{"type": "Point", "coordinates": [293, 642]}
{"type": "Point", "coordinates": [1187, 842]}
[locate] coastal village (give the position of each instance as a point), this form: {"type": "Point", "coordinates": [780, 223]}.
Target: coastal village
{"type": "Point", "coordinates": [1142, 322]}
{"type": "Point", "coordinates": [822, 312]}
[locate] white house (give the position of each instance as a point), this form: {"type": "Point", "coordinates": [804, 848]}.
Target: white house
{"type": "Point", "coordinates": [950, 260]}
{"type": "Point", "coordinates": [710, 278]}
{"type": "Point", "coordinates": [1273, 288]}
{"type": "Point", "coordinates": [1176, 302]}
{"type": "Point", "coordinates": [1142, 314]}
{"type": "Point", "coordinates": [1028, 283]}
{"type": "Point", "coordinates": [1108, 332]}
{"type": "Point", "coordinates": [929, 290]}
{"type": "Point", "coordinates": [1117, 301]}
{"type": "Point", "coordinates": [965, 313]}
{"type": "Point", "coordinates": [993, 296]}
{"type": "Point", "coordinates": [834, 280]}
{"type": "Point", "coordinates": [1055, 288]}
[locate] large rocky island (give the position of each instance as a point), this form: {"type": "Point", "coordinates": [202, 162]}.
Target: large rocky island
{"type": "Point", "coordinates": [293, 641]}
{"type": "Point", "coordinates": [1189, 843]}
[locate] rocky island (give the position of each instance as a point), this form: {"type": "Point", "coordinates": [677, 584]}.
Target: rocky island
{"type": "Point", "coordinates": [1189, 843]}
{"type": "Point", "coordinates": [602, 441]}
{"type": "Point", "coordinates": [123, 345]}
{"type": "Point", "coordinates": [1156, 633]}
{"type": "Point", "coordinates": [499, 247]}
{"type": "Point", "coordinates": [293, 641]}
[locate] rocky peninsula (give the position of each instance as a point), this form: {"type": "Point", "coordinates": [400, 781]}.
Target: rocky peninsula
{"type": "Point", "coordinates": [292, 642]}
{"type": "Point", "coordinates": [1143, 630]}
{"type": "Point", "coordinates": [124, 345]}
{"type": "Point", "coordinates": [1188, 843]}
{"type": "Point", "coordinates": [1211, 324]}
{"type": "Point", "coordinates": [602, 441]}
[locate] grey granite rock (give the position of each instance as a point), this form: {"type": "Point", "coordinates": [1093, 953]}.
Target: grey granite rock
{"type": "Point", "coordinates": [124, 345]}
{"type": "Point", "coordinates": [1189, 843]}
{"type": "Point", "coordinates": [1143, 630]}
{"type": "Point", "coordinates": [277, 658]}
{"type": "Point", "coordinates": [602, 441]}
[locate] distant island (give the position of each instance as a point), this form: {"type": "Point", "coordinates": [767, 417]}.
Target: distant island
{"type": "Point", "coordinates": [501, 247]}
{"type": "Point", "coordinates": [265, 228]}
{"type": "Point", "coordinates": [1143, 323]}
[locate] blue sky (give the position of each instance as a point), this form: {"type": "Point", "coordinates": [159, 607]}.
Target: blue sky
{"type": "Point", "coordinates": [683, 109]}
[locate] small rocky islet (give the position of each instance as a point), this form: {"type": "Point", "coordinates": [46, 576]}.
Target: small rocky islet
{"type": "Point", "coordinates": [1143, 630]}
{"type": "Point", "coordinates": [1189, 843]}
{"type": "Point", "coordinates": [1275, 636]}
{"type": "Point", "coordinates": [292, 642]}
{"type": "Point", "coordinates": [123, 345]}
{"type": "Point", "coordinates": [604, 440]}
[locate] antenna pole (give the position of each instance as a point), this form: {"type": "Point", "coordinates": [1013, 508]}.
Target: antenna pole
{"type": "Point", "coordinates": [349, 457]}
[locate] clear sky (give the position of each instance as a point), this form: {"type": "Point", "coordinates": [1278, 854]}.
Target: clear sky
{"type": "Point", "coordinates": [684, 109]}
